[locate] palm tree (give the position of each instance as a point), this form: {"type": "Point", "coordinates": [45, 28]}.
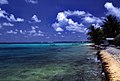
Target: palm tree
{"type": "Point", "coordinates": [111, 26]}
{"type": "Point", "coordinates": [95, 35]}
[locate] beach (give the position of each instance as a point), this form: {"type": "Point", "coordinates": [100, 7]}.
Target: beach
{"type": "Point", "coordinates": [110, 58]}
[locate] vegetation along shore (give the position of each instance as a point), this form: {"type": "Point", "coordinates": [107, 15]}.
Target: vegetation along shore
{"type": "Point", "coordinates": [107, 40]}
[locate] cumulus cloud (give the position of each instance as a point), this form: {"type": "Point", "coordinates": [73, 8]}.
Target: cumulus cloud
{"type": "Point", "coordinates": [3, 13]}
{"type": "Point", "coordinates": [9, 17]}
{"type": "Point", "coordinates": [76, 13]}
{"type": "Point", "coordinates": [3, 2]}
{"type": "Point", "coordinates": [35, 19]}
{"type": "Point", "coordinates": [68, 24]}
{"type": "Point", "coordinates": [7, 24]}
{"type": "Point", "coordinates": [112, 10]}
{"type": "Point", "coordinates": [61, 16]}
{"type": "Point", "coordinates": [13, 19]}
{"type": "Point", "coordinates": [92, 19]}
{"type": "Point", "coordinates": [57, 27]}
{"type": "Point", "coordinates": [32, 1]}
{"type": "Point", "coordinates": [65, 23]}
{"type": "Point", "coordinates": [77, 28]}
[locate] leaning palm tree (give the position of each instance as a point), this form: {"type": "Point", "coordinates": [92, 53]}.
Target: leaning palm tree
{"type": "Point", "coordinates": [111, 26]}
{"type": "Point", "coordinates": [95, 35]}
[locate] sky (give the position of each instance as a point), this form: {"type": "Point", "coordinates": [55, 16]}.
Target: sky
{"type": "Point", "coordinates": [52, 20]}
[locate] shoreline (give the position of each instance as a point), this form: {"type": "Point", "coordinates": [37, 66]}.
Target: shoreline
{"type": "Point", "coordinates": [110, 65]}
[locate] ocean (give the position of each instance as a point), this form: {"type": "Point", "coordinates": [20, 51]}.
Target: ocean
{"type": "Point", "coordinates": [49, 62]}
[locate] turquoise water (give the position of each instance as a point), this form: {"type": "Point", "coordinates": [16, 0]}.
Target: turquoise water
{"type": "Point", "coordinates": [48, 62]}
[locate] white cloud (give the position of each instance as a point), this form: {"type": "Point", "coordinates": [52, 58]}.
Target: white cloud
{"type": "Point", "coordinates": [35, 32]}
{"type": "Point", "coordinates": [69, 24]}
{"type": "Point", "coordinates": [77, 28]}
{"type": "Point", "coordinates": [3, 13]}
{"type": "Point", "coordinates": [11, 32]}
{"type": "Point", "coordinates": [96, 25]}
{"type": "Point", "coordinates": [76, 13]}
{"type": "Point", "coordinates": [5, 24]}
{"type": "Point", "coordinates": [112, 10]}
{"type": "Point", "coordinates": [34, 19]}
{"type": "Point", "coordinates": [93, 19]}
{"type": "Point", "coordinates": [16, 31]}
{"type": "Point", "coordinates": [3, 2]}
{"type": "Point", "coordinates": [57, 27]}
{"type": "Point", "coordinates": [38, 34]}
{"type": "Point", "coordinates": [59, 33]}
{"type": "Point", "coordinates": [34, 27]}
{"type": "Point", "coordinates": [22, 31]}
{"type": "Point", "coordinates": [32, 1]}
{"type": "Point", "coordinates": [9, 17]}
{"type": "Point", "coordinates": [13, 19]}
{"type": "Point", "coordinates": [61, 16]}
{"type": "Point", "coordinates": [8, 24]}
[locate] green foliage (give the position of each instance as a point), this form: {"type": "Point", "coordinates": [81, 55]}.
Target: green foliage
{"type": "Point", "coordinates": [96, 35]}
{"type": "Point", "coordinates": [111, 26]}
{"type": "Point", "coordinates": [110, 29]}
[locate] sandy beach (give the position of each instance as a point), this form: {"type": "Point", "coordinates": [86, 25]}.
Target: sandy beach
{"type": "Point", "coordinates": [111, 64]}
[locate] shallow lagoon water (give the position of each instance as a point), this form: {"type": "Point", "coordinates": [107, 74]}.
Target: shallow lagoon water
{"type": "Point", "coordinates": [46, 62]}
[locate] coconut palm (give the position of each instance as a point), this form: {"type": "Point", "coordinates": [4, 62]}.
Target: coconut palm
{"type": "Point", "coordinates": [95, 35]}
{"type": "Point", "coordinates": [111, 26]}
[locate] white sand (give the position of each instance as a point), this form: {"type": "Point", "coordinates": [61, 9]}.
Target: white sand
{"type": "Point", "coordinates": [111, 66]}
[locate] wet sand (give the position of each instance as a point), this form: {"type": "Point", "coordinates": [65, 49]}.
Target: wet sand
{"type": "Point", "coordinates": [111, 66]}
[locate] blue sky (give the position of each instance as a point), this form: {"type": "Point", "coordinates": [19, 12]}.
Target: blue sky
{"type": "Point", "coordinates": [52, 20]}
